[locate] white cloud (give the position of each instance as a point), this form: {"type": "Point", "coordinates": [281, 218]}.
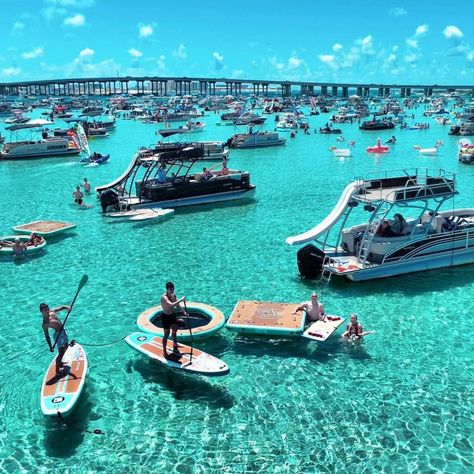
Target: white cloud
{"type": "Point", "coordinates": [294, 62]}
{"type": "Point", "coordinates": [35, 53]}
{"type": "Point", "coordinates": [238, 73]}
{"type": "Point", "coordinates": [11, 71]}
{"type": "Point", "coordinates": [161, 62]}
{"type": "Point", "coordinates": [397, 11]}
{"type": "Point", "coordinates": [180, 52]}
{"type": "Point", "coordinates": [411, 58]}
{"type": "Point", "coordinates": [135, 53]}
{"type": "Point", "coordinates": [276, 64]}
{"type": "Point", "coordinates": [328, 59]}
{"type": "Point", "coordinates": [17, 26]}
{"type": "Point", "coordinates": [87, 52]}
{"type": "Point", "coordinates": [421, 30]}
{"type": "Point", "coordinates": [336, 47]}
{"type": "Point", "coordinates": [470, 56]}
{"type": "Point", "coordinates": [72, 3]}
{"type": "Point", "coordinates": [453, 32]}
{"type": "Point", "coordinates": [412, 43]}
{"type": "Point", "coordinates": [366, 45]}
{"type": "Point", "coordinates": [76, 20]}
{"type": "Point", "coordinates": [144, 31]}
{"type": "Point", "coordinates": [218, 60]}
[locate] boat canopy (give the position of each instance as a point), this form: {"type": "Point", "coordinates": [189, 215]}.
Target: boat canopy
{"type": "Point", "coordinates": [35, 123]}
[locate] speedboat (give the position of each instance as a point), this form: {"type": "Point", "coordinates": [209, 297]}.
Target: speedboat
{"type": "Point", "coordinates": [96, 158]}
{"type": "Point", "coordinates": [377, 125]}
{"type": "Point", "coordinates": [168, 180]}
{"type": "Point", "coordinates": [466, 151]}
{"type": "Point", "coordinates": [201, 150]}
{"type": "Point", "coordinates": [29, 140]}
{"type": "Point", "coordinates": [432, 238]}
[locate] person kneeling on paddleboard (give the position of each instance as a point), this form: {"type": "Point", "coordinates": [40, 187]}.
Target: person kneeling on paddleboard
{"type": "Point", "coordinates": [170, 303]}
{"type": "Point", "coordinates": [51, 321]}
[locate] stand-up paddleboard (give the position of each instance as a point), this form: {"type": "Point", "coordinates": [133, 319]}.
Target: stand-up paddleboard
{"type": "Point", "coordinates": [135, 213]}
{"type": "Point", "coordinates": [60, 393]}
{"type": "Point", "coordinates": [321, 330]}
{"type": "Point", "coordinates": [201, 363]}
{"type": "Point", "coordinates": [152, 214]}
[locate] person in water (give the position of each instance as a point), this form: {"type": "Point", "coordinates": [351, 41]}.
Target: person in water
{"type": "Point", "coordinates": [18, 248]}
{"type": "Point", "coordinates": [51, 321]}
{"type": "Point", "coordinates": [313, 308]}
{"type": "Point", "coordinates": [87, 186]}
{"type": "Point", "coordinates": [170, 303]}
{"type": "Point", "coordinates": [354, 330]}
{"type": "Point", "coordinates": [78, 196]}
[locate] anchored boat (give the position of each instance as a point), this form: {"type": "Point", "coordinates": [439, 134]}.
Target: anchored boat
{"type": "Point", "coordinates": [169, 180]}
{"type": "Point", "coordinates": [427, 238]}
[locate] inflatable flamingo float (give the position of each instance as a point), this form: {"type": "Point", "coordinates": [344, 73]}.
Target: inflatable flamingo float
{"type": "Point", "coordinates": [378, 148]}
{"type": "Point", "coordinates": [343, 151]}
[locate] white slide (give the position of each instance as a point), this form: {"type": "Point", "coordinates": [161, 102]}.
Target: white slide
{"type": "Point", "coordinates": [330, 220]}
{"type": "Point", "coordinates": [122, 177]}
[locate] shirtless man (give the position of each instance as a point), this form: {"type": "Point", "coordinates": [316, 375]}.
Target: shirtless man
{"type": "Point", "coordinates": [87, 186]}
{"type": "Point", "coordinates": [169, 303]}
{"type": "Point", "coordinates": [314, 309]}
{"type": "Point", "coordinates": [78, 196]}
{"type": "Point", "coordinates": [51, 320]}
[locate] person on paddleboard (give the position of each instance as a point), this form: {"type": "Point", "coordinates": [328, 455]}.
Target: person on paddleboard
{"type": "Point", "coordinates": [170, 303]}
{"type": "Point", "coordinates": [51, 321]}
{"type": "Point", "coordinates": [354, 330]}
{"type": "Point", "coordinates": [313, 308]}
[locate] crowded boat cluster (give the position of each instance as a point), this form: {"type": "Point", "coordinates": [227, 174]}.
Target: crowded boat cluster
{"type": "Point", "coordinates": [401, 225]}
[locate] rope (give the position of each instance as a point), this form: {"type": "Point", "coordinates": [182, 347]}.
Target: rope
{"type": "Point", "coordinates": [81, 430]}
{"type": "Point", "coordinates": [105, 343]}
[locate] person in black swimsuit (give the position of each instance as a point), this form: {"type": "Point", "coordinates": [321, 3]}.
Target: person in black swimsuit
{"type": "Point", "coordinates": [171, 322]}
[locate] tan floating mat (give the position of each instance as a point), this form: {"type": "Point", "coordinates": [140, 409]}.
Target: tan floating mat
{"type": "Point", "coordinates": [44, 228]}
{"type": "Point", "coordinates": [266, 317]}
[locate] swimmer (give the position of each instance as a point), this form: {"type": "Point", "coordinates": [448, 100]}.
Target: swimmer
{"type": "Point", "coordinates": [354, 331]}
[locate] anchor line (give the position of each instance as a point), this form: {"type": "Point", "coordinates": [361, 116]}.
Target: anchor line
{"type": "Point", "coordinates": [80, 430]}
{"type": "Point", "coordinates": [104, 344]}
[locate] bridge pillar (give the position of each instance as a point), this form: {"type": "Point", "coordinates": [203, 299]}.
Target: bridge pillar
{"type": "Point", "coordinates": [324, 90]}
{"type": "Point", "coordinates": [286, 90]}
{"type": "Point", "coordinates": [403, 92]}
{"type": "Point", "coordinates": [359, 91]}
{"type": "Point", "coordinates": [345, 91]}
{"type": "Point", "coordinates": [381, 92]}
{"type": "Point", "coordinates": [387, 91]}
{"type": "Point", "coordinates": [334, 91]}
{"type": "Point", "coordinates": [304, 89]}
{"type": "Point", "coordinates": [366, 91]}
{"type": "Point", "coordinates": [408, 91]}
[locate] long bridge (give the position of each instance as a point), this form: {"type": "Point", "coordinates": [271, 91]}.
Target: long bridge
{"type": "Point", "coordinates": [209, 86]}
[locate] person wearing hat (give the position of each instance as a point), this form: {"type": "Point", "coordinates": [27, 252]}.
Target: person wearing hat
{"type": "Point", "coordinates": [313, 308]}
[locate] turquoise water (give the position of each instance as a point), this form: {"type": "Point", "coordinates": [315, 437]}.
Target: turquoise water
{"type": "Point", "coordinates": [402, 402]}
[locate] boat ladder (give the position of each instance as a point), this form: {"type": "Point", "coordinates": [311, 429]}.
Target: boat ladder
{"type": "Point", "coordinates": [371, 230]}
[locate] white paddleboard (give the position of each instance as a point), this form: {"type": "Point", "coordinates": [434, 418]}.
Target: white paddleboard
{"type": "Point", "coordinates": [60, 393]}
{"type": "Point", "coordinates": [152, 214]}
{"type": "Point", "coordinates": [201, 363]}
{"type": "Point", "coordinates": [321, 330]}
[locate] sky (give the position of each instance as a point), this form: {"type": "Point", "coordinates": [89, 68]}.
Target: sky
{"type": "Point", "coordinates": [366, 41]}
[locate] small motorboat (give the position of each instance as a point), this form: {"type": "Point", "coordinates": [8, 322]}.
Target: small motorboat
{"type": "Point", "coordinates": [95, 158]}
{"type": "Point", "coordinates": [378, 148]}
{"type": "Point", "coordinates": [466, 151]}
{"type": "Point", "coordinates": [429, 151]}
{"type": "Point", "coordinates": [329, 130]}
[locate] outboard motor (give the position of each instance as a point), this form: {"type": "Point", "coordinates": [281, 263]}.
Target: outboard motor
{"type": "Point", "coordinates": [108, 198]}
{"type": "Point", "coordinates": [310, 261]}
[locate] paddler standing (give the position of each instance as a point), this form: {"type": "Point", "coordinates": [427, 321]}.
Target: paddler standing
{"type": "Point", "coordinates": [51, 320]}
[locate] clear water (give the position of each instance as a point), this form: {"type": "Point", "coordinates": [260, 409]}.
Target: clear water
{"type": "Point", "coordinates": [400, 403]}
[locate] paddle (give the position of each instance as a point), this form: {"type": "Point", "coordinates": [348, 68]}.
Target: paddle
{"type": "Point", "coordinates": [79, 288]}
{"type": "Point", "coordinates": [190, 330]}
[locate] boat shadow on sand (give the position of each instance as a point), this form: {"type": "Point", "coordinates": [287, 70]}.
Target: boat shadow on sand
{"type": "Point", "coordinates": [183, 386]}
{"type": "Point", "coordinates": [62, 439]}
{"type": "Point", "coordinates": [409, 284]}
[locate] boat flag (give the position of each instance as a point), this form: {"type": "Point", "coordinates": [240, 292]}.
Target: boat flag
{"type": "Point", "coordinates": [83, 138]}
